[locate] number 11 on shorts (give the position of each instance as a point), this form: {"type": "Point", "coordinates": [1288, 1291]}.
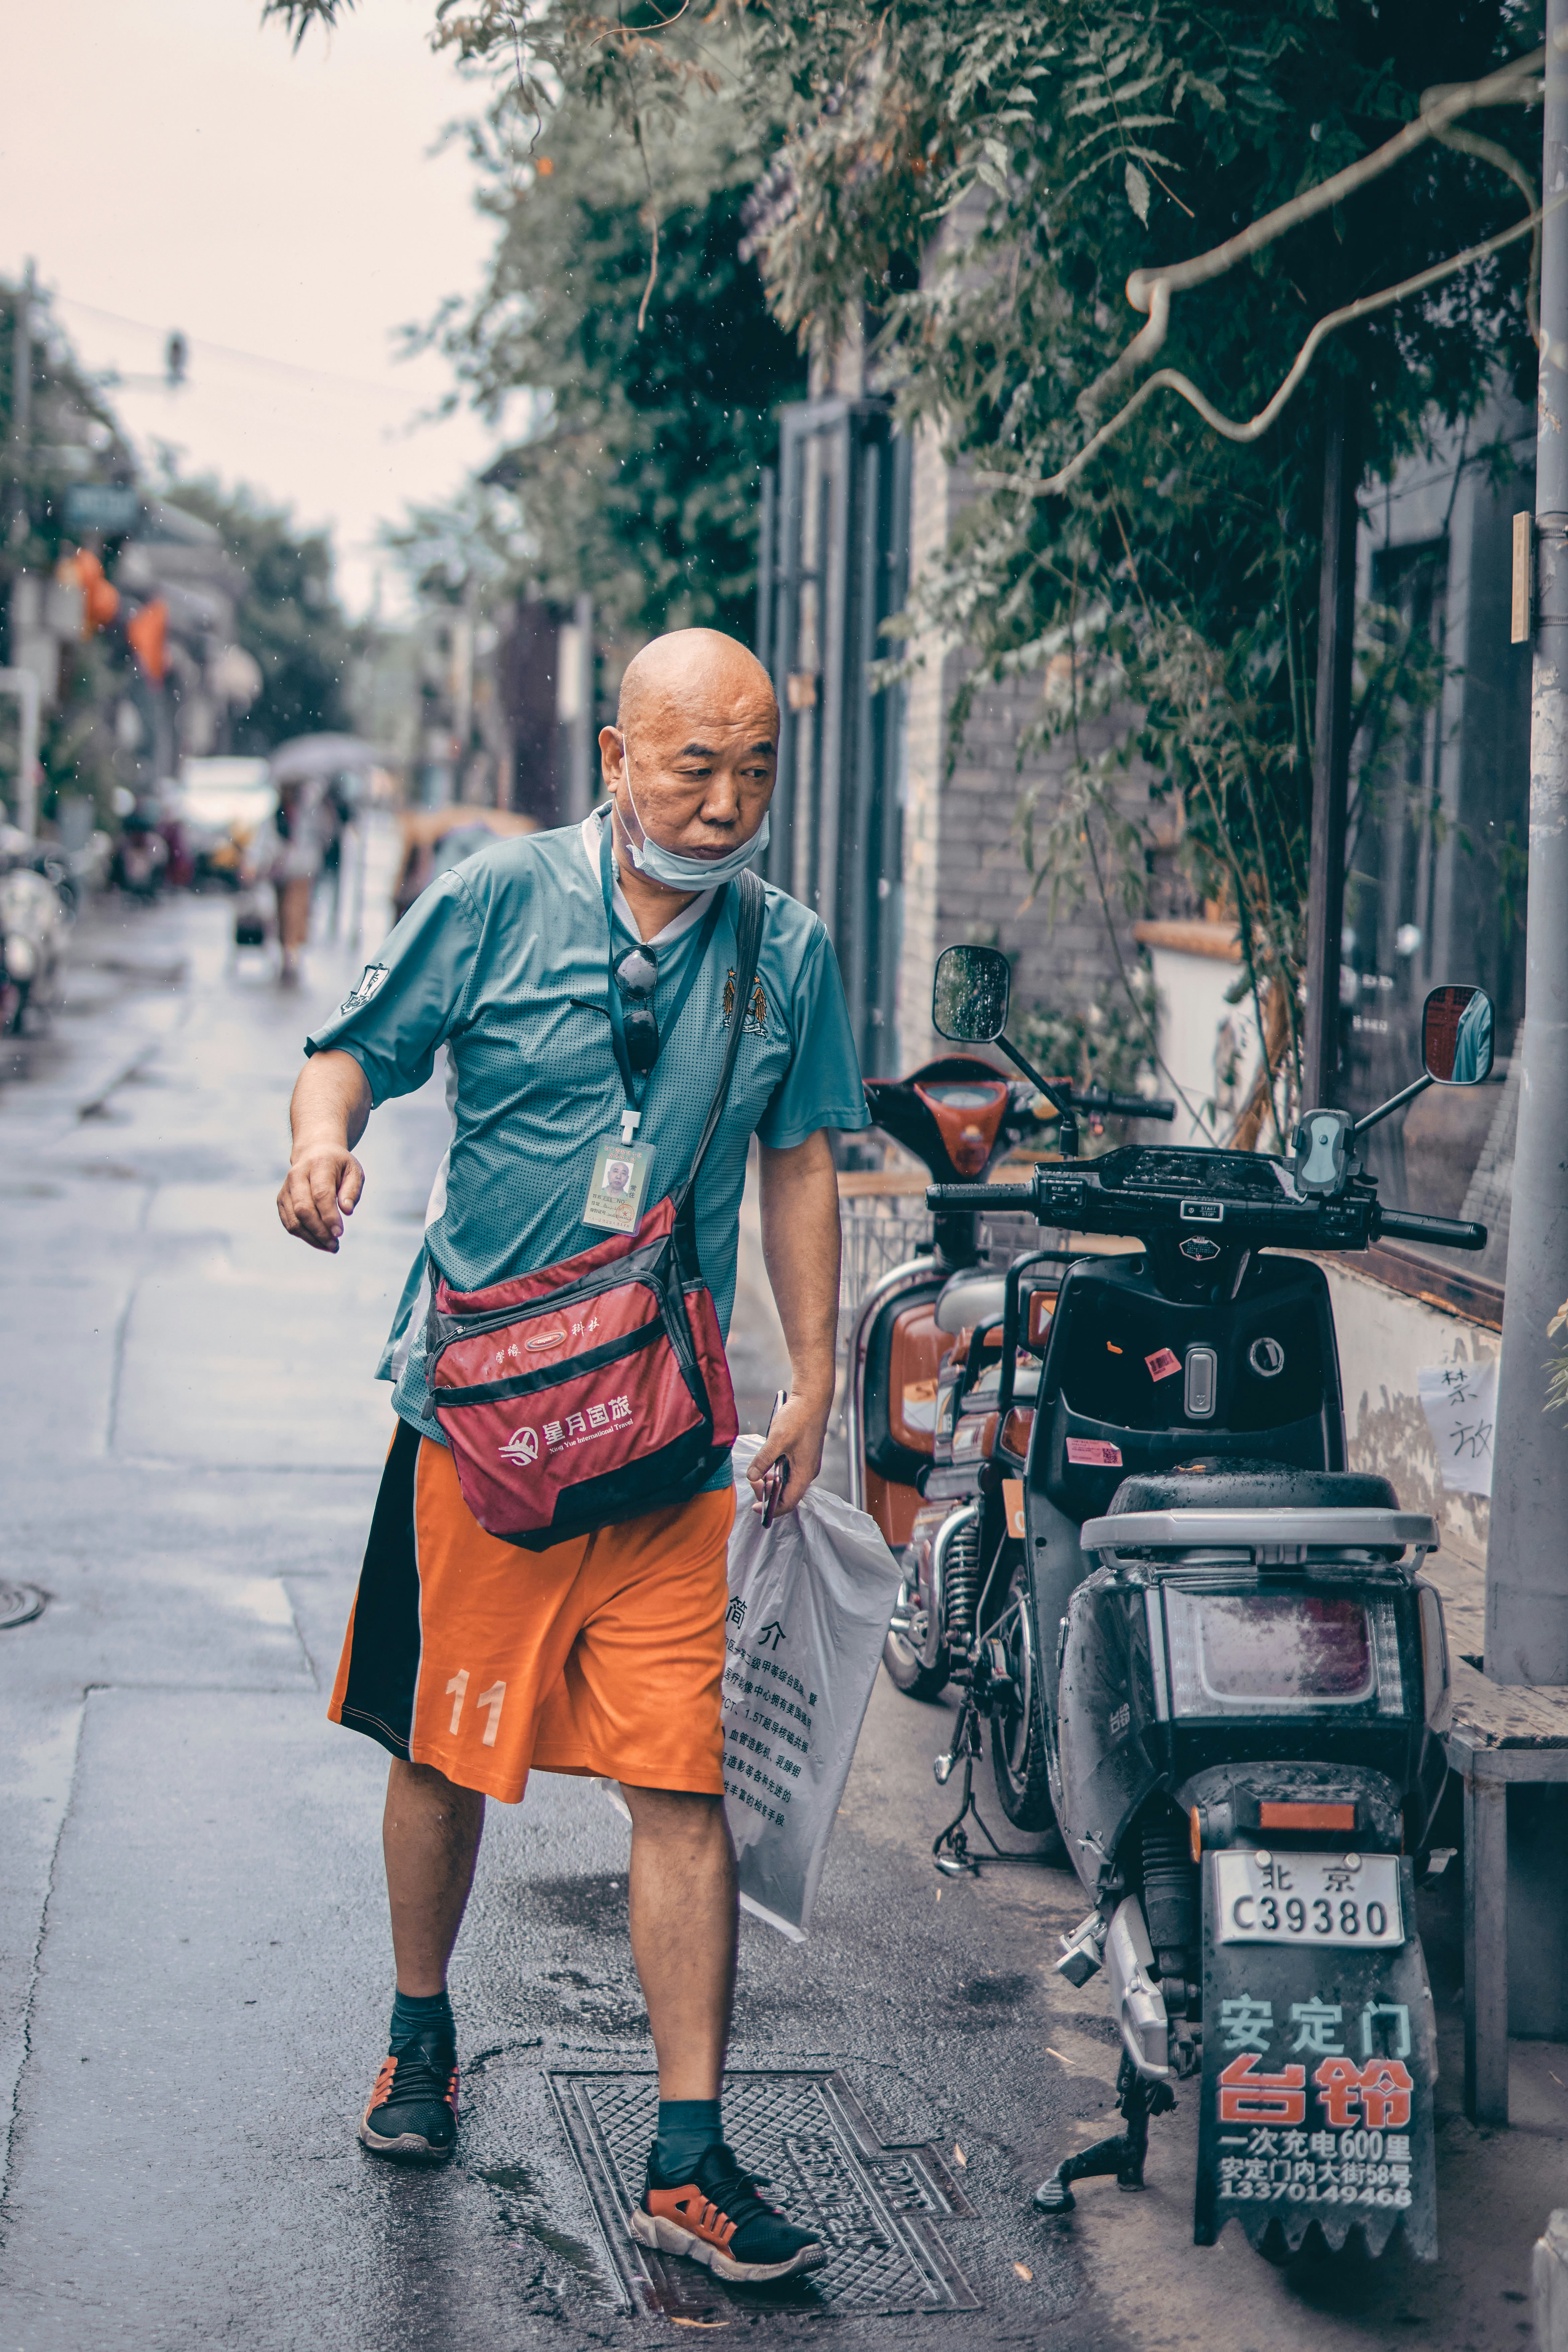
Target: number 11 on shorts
{"type": "Point", "coordinates": [494, 1699]}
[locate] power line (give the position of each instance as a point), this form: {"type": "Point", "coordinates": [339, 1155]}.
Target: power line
{"type": "Point", "coordinates": [227, 351]}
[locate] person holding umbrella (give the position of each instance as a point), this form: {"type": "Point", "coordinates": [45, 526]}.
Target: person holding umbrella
{"type": "Point", "coordinates": [308, 823]}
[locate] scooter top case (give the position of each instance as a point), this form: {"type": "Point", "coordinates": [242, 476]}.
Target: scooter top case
{"type": "Point", "coordinates": [1214, 1683]}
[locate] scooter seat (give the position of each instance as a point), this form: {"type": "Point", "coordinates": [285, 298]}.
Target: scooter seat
{"type": "Point", "coordinates": [987, 1388]}
{"type": "Point", "coordinates": [1243, 1485]}
{"type": "Point", "coordinates": [970, 1301]}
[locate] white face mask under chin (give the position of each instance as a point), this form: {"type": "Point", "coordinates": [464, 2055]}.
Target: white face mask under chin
{"type": "Point", "coordinates": [678, 873]}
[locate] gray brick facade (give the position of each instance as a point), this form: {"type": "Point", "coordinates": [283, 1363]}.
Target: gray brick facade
{"type": "Point", "coordinates": [963, 871]}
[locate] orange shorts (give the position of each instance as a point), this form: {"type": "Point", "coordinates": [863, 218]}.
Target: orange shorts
{"type": "Point", "coordinates": [603, 1655]}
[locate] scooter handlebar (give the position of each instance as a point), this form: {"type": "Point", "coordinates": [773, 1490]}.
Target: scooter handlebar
{"type": "Point", "coordinates": [979, 1196]}
{"type": "Point", "coordinates": [1109, 1105]}
{"type": "Point", "coordinates": [1451, 1233]}
{"type": "Point", "coordinates": [1072, 1195]}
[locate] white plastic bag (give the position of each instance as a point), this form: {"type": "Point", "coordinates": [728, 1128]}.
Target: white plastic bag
{"type": "Point", "coordinates": [810, 1600]}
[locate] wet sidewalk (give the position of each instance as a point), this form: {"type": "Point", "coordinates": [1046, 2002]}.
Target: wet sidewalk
{"type": "Point", "coordinates": [195, 1969]}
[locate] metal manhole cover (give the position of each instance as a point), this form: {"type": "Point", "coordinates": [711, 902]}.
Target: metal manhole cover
{"type": "Point", "coordinates": [18, 1604]}
{"type": "Point", "coordinates": [877, 2207]}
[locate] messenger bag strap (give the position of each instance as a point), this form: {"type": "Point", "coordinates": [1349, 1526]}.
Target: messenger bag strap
{"type": "Point", "coordinates": [751, 909]}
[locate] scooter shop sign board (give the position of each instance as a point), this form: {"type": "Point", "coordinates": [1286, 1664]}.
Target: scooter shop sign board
{"type": "Point", "coordinates": [1317, 2069]}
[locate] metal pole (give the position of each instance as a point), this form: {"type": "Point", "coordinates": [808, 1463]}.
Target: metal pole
{"type": "Point", "coordinates": [583, 742]}
{"type": "Point", "coordinates": [25, 686]}
{"type": "Point", "coordinates": [762, 640]}
{"type": "Point", "coordinates": [1527, 1558]}
{"type": "Point", "coordinates": [21, 374]}
{"type": "Point", "coordinates": [14, 523]}
{"type": "Point", "coordinates": [1331, 751]}
{"type": "Point", "coordinates": [362, 832]}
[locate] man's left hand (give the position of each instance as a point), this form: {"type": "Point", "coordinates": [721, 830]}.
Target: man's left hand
{"type": "Point", "coordinates": [798, 1430]}
{"type": "Point", "coordinates": [799, 1203]}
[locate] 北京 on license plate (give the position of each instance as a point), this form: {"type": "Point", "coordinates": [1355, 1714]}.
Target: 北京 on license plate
{"type": "Point", "coordinates": [1309, 1898]}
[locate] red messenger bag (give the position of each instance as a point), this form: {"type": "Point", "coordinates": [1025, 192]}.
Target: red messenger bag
{"type": "Point", "coordinates": [597, 1389]}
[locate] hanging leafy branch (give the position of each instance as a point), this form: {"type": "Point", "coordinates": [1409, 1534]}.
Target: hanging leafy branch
{"type": "Point", "coordinates": [1556, 1365]}
{"type": "Point", "coordinates": [638, 412]}
{"type": "Point", "coordinates": [981, 187]}
{"type": "Point", "coordinates": [1183, 572]}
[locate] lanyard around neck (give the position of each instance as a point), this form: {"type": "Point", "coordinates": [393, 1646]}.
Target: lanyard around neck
{"type": "Point", "coordinates": [617, 1016]}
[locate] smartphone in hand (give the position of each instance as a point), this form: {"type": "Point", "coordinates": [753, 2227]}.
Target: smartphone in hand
{"type": "Point", "coordinates": [776, 1477]}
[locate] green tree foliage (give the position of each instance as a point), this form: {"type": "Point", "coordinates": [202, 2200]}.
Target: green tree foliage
{"type": "Point", "coordinates": [985, 179]}
{"type": "Point", "coordinates": [976, 180]}
{"type": "Point", "coordinates": [288, 619]}
{"type": "Point", "coordinates": [651, 392]}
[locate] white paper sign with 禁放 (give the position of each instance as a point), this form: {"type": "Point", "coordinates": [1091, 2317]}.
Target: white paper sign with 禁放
{"type": "Point", "coordinates": [1460, 1402]}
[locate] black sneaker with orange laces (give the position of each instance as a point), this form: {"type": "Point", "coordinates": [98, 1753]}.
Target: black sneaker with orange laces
{"type": "Point", "coordinates": [413, 2113]}
{"type": "Point", "coordinates": [718, 2217]}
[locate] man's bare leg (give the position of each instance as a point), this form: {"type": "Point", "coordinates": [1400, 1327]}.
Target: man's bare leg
{"type": "Point", "coordinates": [430, 1835]}
{"type": "Point", "coordinates": [699, 2201]}
{"type": "Point", "coordinates": [684, 1925]}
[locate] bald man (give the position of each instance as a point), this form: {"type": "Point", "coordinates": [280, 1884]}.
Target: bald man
{"type": "Point", "coordinates": [474, 1662]}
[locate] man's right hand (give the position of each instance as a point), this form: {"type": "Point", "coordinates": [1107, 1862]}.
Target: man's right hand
{"type": "Point", "coordinates": [323, 1184]}
{"type": "Point", "coordinates": [331, 1103]}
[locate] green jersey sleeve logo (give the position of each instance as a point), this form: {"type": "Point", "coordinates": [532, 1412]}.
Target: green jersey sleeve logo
{"type": "Point", "coordinates": [364, 988]}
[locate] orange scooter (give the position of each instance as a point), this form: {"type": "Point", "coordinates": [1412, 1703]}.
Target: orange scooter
{"type": "Point", "coordinates": [944, 1357]}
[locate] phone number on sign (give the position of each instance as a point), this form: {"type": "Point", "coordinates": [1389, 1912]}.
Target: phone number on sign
{"type": "Point", "coordinates": [1238, 2183]}
{"type": "Point", "coordinates": [1321, 2168]}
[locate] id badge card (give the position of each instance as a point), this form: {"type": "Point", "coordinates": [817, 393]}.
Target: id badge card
{"type": "Point", "coordinates": [618, 1186]}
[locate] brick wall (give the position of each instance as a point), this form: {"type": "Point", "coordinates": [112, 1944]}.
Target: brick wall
{"type": "Point", "coordinates": [962, 869]}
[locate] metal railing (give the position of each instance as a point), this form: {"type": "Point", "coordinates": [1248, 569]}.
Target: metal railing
{"type": "Point", "coordinates": [879, 1232]}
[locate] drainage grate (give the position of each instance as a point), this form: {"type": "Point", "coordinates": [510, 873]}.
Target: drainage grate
{"type": "Point", "coordinates": [877, 2207]}
{"type": "Point", "coordinates": [18, 1604]}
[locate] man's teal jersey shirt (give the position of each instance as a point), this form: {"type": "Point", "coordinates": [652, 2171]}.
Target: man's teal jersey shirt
{"type": "Point", "coordinates": [504, 961]}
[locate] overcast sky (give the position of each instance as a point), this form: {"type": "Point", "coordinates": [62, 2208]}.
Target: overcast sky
{"type": "Point", "coordinates": [172, 163]}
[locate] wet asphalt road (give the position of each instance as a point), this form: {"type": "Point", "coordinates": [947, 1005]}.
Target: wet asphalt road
{"type": "Point", "coordinates": [194, 1971]}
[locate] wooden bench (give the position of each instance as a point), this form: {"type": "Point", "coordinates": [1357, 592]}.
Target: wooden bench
{"type": "Point", "coordinates": [1503, 1737]}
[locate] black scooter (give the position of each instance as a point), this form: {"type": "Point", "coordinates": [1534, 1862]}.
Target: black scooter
{"type": "Point", "coordinates": [1243, 1735]}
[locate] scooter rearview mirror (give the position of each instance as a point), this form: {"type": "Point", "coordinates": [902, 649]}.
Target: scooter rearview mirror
{"type": "Point", "coordinates": [1456, 1035]}
{"type": "Point", "coordinates": [1456, 1047]}
{"type": "Point", "coordinates": [971, 994]}
{"type": "Point", "coordinates": [969, 998]}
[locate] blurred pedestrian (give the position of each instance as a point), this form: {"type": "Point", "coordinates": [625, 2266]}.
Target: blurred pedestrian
{"type": "Point", "coordinates": [302, 826]}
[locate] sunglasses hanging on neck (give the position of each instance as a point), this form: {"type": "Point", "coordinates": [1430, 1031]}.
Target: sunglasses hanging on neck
{"type": "Point", "coordinates": [636, 977]}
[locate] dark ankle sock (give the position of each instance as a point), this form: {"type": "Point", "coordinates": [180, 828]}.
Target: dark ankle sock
{"type": "Point", "coordinates": [688, 2129]}
{"type": "Point", "coordinates": [415, 2012]}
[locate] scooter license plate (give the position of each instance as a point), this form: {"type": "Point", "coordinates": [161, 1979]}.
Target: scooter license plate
{"type": "Point", "coordinates": [1309, 1899]}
